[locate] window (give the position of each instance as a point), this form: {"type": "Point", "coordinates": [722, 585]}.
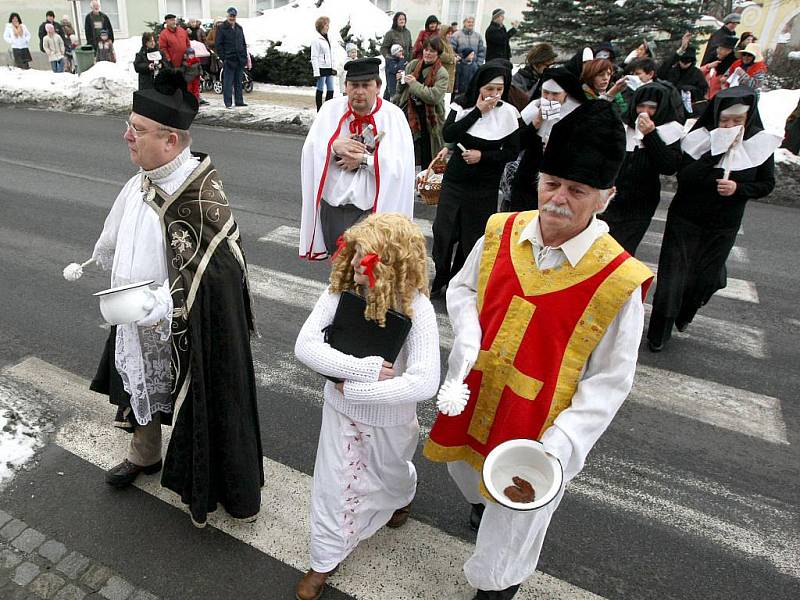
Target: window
{"type": "Point", "coordinates": [186, 9]}
{"type": "Point", "coordinates": [262, 5]}
{"type": "Point", "coordinates": [458, 10]}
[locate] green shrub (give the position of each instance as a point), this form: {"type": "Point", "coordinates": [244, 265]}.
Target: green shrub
{"type": "Point", "coordinates": [283, 68]}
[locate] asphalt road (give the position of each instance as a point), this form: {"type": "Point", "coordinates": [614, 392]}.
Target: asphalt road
{"type": "Point", "coordinates": [671, 504]}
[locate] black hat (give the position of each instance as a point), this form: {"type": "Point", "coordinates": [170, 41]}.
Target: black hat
{"type": "Point", "coordinates": [664, 95]}
{"type": "Point", "coordinates": [563, 77]}
{"type": "Point", "coordinates": [362, 69]}
{"type": "Point", "coordinates": [724, 100]}
{"type": "Point", "coordinates": [688, 55]}
{"type": "Point", "coordinates": [729, 41]}
{"type": "Point", "coordinates": [168, 103]}
{"type": "Point", "coordinates": [169, 16]}
{"type": "Point", "coordinates": [587, 146]}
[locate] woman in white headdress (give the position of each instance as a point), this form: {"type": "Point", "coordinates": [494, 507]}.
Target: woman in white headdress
{"type": "Point", "coordinates": [727, 160]}
{"type": "Point", "coordinates": [558, 94]}
{"type": "Point", "coordinates": [484, 127]}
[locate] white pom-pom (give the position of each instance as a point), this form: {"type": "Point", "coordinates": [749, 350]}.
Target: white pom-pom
{"type": "Point", "coordinates": [452, 398]}
{"type": "Point", "coordinates": [73, 272]}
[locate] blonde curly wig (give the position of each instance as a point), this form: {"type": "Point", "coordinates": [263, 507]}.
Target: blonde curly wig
{"type": "Point", "coordinates": [401, 272]}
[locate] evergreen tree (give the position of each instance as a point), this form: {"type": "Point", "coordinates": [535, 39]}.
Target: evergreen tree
{"type": "Point", "coordinates": [571, 25]}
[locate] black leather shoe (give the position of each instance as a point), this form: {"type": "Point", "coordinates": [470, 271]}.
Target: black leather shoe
{"type": "Point", "coordinates": [681, 325]}
{"type": "Point", "coordinates": [475, 516]}
{"type": "Point", "coordinates": [125, 473]}
{"type": "Point", "coordinates": [242, 104]}
{"type": "Point", "coordinates": [654, 347]}
{"type": "Point", "coordinates": [505, 594]}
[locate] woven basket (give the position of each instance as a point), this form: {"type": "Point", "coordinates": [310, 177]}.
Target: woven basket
{"type": "Point", "coordinates": [429, 182]}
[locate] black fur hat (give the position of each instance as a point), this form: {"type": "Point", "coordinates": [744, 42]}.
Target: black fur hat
{"type": "Point", "coordinates": [587, 146]}
{"type": "Point", "coordinates": [169, 102]}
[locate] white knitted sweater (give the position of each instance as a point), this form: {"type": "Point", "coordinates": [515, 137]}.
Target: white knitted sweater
{"type": "Point", "coordinates": [378, 403]}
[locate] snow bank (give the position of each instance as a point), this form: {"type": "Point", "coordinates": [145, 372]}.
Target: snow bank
{"type": "Point", "coordinates": [21, 429]}
{"type": "Point", "coordinates": [293, 25]}
{"type": "Point", "coordinates": [774, 107]}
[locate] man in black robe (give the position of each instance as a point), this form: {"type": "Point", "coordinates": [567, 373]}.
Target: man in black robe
{"type": "Point", "coordinates": [188, 362]}
{"type": "Point", "coordinates": [728, 29]}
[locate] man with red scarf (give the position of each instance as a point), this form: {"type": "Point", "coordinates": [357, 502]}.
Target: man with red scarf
{"type": "Point", "coordinates": [358, 158]}
{"type": "Point", "coordinates": [547, 315]}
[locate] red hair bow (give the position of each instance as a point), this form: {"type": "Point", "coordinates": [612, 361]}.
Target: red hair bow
{"type": "Point", "coordinates": [340, 245]}
{"type": "Point", "coordinates": [369, 262]}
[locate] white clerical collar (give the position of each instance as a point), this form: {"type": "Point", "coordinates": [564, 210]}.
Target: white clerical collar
{"type": "Point", "coordinates": [168, 169]}
{"type": "Point", "coordinates": [574, 249]}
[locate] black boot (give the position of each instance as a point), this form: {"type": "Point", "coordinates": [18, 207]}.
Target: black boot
{"type": "Point", "coordinates": [319, 100]}
{"type": "Point", "coordinates": [505, 594]}
{"type": "Point", "coordinates": [328, 95]}
{"type": "Point", "coordinates": [475, 516]}
{"type": "Point", "coordinates": [125, 473]}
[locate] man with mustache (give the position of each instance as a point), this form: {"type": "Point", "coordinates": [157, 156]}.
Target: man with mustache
{"type": "Point", "coordinates": [547, 314]}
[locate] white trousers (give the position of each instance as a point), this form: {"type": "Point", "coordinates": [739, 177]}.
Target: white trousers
{"type": "Point", "coordinates": [362, 474]}
{"type": "Point", "coordinates": [509, 541]}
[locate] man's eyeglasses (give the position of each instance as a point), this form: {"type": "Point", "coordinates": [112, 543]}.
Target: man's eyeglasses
{"type": "Point", "coordinates": [137, 133]}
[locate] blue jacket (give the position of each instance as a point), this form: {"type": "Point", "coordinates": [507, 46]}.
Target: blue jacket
{"type": "Point", "coordinates": [229, 43]}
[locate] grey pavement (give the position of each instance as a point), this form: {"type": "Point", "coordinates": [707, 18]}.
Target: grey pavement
{"type": "Point", "coordinates": [59, 175]}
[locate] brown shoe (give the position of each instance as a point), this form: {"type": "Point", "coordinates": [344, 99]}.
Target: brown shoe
{"type": "Point", "coordinates": [311, 585]}
{"type": "Point", "coordinates": [125, 473]}
{"type": "Point", "coordinates": [399, 517]}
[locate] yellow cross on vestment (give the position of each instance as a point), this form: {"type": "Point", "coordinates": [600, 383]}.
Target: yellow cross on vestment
{"type": "Point", "coordinates": [497, 366]}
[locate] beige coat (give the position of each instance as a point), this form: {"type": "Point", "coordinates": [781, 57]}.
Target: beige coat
{"type": "Point", "coordinates": [53, 47]}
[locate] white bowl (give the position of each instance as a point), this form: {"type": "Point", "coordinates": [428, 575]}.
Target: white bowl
{"type": "Point", "coordinates": [126, 303]}
{"type": "Point", "coordinates": [529, 460]}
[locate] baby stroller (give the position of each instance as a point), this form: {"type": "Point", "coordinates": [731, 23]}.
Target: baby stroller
{"type": "Point", "coordinates": [247, 79]}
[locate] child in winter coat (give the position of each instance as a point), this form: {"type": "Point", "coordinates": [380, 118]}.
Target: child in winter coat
{"type": "Point", "coordinates": [191, 72]}
{"type": "Point", "coordinates": [105, 48]}
{"type": "Point", "coordinates": [394, 64]}
{"type": "Point", "coordinates": [465, 70]}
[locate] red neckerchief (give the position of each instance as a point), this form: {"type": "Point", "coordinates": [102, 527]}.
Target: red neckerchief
{"type": "Point", "coordinates": [357, 124]}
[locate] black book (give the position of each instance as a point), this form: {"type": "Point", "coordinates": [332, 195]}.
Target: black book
{"type": "Point", "coordinates": [353, 334]}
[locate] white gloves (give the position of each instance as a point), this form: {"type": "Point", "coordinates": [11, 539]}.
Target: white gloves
{"type": "Point", "coordinates": [160, 306]}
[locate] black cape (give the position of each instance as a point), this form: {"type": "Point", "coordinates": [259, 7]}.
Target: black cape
{"type": "Point", "coordinates": [215, 453]}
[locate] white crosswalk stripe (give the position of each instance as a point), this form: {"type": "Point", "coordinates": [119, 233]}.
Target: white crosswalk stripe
{"type": "Point", "coordinates": [654, 238]}
{"type": "Point", "coordinates": [737, 289]}
{"type": "Point", "coordinates": [419, 561]}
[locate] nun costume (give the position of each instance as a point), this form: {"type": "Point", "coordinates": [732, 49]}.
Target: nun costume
{"type": "Point", "coordinates": [727, 160]}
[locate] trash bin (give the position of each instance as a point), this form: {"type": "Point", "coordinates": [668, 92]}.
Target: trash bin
{"type": "Point", "coordinates": [84, 58]}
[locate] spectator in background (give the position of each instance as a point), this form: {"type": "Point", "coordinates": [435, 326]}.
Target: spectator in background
{"type": "Point", "coordinates": [50, 17]}
{"type": "Point", "coordinates": [596, 76]}
{"type": "Point", "coordinates": [465, 70]}
{"type": "Point", "coordinates": [715, 70]}
{"type": "Point", "coordinates": [791, 139]}
{"type": "Point", "coordinates": [70, 42]}
{"type": "Point", "coordinates": [525, 80]}
{"type": "Point", "coordinates": [148, 61]}
{"type": "Point", "coordinates": [421, 96]}
{"type": "Point", "coordinates": [467, 37]}
{"type": "Point", "coordinates": [449, 58]}
{"type": "Point", "coordinates": [644, 50]}
{"type": "Point", "coordinates": [191, 72]}
{"type": "Point", "coordinates": [751, 61]}
{"type": "Point", "coordinates": [352, 54]}
{"type": "Point", "coordinates": [54, 48]}
{"type": "Point", "coordinates": [682, 72]}
{"type": "Point", "coordinates": [322, 60]}
{"type": "Point", "coordinates": [728, 28]}
{"type": "Point", "coordinates": [746, 38]}
{"type": "Point", "coordinates": [398, 34]}
{"type": "Point", "coordinates": [395, 64]}
{"type": "Point", "coordinates": [105, 48]}
{"type": "Point", "coordinates": [18, 37]}
{"type": "Point", "coordinates": [431, 30]}
{"type": "Point", "coordinates": [232, 50]}
{"type": "Point", "coordinates": [196, 31]}
{"type": "Point", "coordinates": [95, 22]}
{"type": "Point", "coordinates": [497, 37]}
{"type": "Point", "coordinates": [173, 41]}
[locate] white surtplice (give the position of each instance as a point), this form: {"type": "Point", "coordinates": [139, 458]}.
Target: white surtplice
{"type": "Point", "coordinates": [132, 245]}
{"type": "Point", "coordinates": [363, 471]}
{"type": "Point", "coordinates": [509, 542]}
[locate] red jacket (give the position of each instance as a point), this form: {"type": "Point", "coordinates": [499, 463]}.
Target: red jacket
{"type": "Point", "coordinates": [174, 45]}
{"type": "Point", "coordinates": [423, 35]}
